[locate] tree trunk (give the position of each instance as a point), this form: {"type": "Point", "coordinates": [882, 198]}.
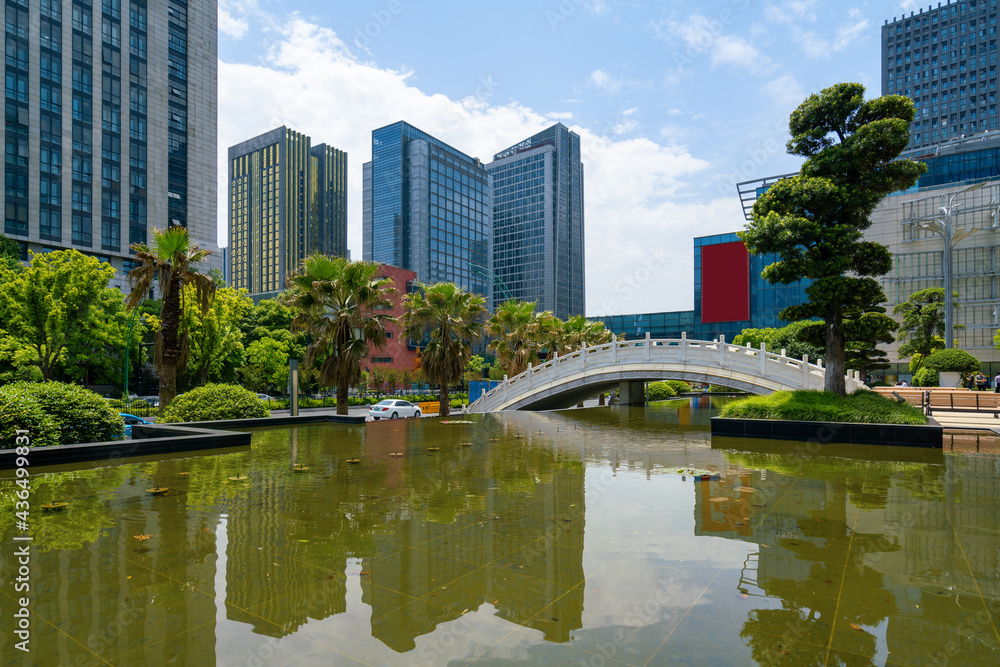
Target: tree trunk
{"type": "Point", "coordinates": [342, 403]}
{"type": "Point", "coordinates": [835, 382]}
{"type": "Point", "coordinates": [170, 322]}
{"type": "Point", "coordinates": [443, 403]}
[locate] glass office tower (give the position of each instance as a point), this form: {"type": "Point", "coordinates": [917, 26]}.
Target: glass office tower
{"type": "Point", "coordinates": [287, 200]}
{"type": "Point", "coordinates": [538, 222]}
{"type": "Point", "coordinates": [427, 209]}
{"type": "Point", "coordinates": [110, 127]}
{"type": "Point", "coordinates": [944, 58]}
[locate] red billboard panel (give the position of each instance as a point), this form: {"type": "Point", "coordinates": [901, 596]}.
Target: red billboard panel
{"type": "Point", "coordinates": [725, 283]}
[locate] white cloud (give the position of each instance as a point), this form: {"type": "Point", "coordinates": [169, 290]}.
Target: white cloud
{"type": "Point", "coordinates": [605, 82]}
{"type": "Point", "coordinates": [234, 16]}
{"type": "Point", "coordinates": [816, 46]}
{"type": "Point", "coordinates": [637, 192]}
{"type": "Point", "coordinates": [784, 91]}
{"type": "Point", "coordinates": [700, 36]}
{"type": "Point", "coordinates": [792, 11]}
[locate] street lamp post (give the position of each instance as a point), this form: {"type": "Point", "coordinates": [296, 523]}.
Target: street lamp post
{"type": "Point", "coordinates": [943, 226]}
{"type": "Point", "coordinates": [483, 271]}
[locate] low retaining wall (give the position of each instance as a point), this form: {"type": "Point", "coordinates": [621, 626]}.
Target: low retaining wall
{"type": "Point", "coordinates": [165, 439]}
{"type": "Point", "coordinates": [829, 432]}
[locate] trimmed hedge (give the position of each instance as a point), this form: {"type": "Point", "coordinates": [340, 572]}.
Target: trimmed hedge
{"type": "Point", "coordinates": [862, 406]}
{"type": "Point", "coordinates": [926, 377]}
{"type": "Point", "coordinates": [955, 361]}
{"type": "Point", "coordinates": [679, 386]}
{"type": "Point", "coordinates": [721, 389]}
{"type": "Point", "coordinates": [56, 413]}
{"type": "Point", "coordinates": [215, 401]}
{"type": "Point", "coordinates": [659, 391]}
{"type": "Point", "coordinates": [19, 410]}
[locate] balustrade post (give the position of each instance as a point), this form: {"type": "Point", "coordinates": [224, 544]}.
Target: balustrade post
{"type": "Point", "coordinates": [505, 389]}
{"type": "Point", "coordinates": [722, 351]}
{"type": "Point", "coordinates": [684, 346]}
{"type": "Point", "coordinates": [583, 355]}
{"type": "Point", "coordinates": [805, 371]}
{"type": "Point", "coordinates": [614, 349]}
{"type": "Point", "coordinates": [528, 375]}
{"type": "Point", "coordinates": [763, 359]}
{"type": "Point", "coordinates": [648, 351]}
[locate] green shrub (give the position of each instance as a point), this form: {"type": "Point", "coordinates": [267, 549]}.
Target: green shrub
{"type": "Point", "coordinates": [215, 401]}
{"type": "Point", "coordinates": [79, 414]}
{"type": "Point", "coordinates": [862, 406]}
{"type": "Point", "coordinates": [19, 410]}
{"type": "Point", "coordinates": [926, 377]}
{"type": "Point", "coordinates": [720, 389]}
{"type": "Point", "coordinates": [679, 386]}
{"type": "Point", "coordinates": [954, 361]}
{"type": "Point", "coordinates": [659, 391]}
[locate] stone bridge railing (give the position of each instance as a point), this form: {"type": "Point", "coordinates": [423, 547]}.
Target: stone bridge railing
{"type": "Point", "coordinates": [755, 370]}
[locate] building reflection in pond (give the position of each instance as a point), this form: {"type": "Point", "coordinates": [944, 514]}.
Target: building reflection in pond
{"type": "Point", "coordinates": [865, 553]}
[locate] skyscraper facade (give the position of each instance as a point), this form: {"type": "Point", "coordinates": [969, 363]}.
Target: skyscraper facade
{"type": "Point", "coordinates": [110, 127]}
{"type": "Point", "coordinates": [427, 208]}
{"type": "Point", "coordinates": [538, 242]}
{"type": "Point", "coordinates": [287, 200]}
{"type": "Point", "coordinates": [945, 60]}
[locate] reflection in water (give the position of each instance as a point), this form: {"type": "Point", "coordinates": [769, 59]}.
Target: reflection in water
{"type": "Point", "coordinates": [536, 538]}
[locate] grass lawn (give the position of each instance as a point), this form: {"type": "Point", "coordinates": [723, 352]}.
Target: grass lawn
{"type": "Point", "coordinates": [864, 407]}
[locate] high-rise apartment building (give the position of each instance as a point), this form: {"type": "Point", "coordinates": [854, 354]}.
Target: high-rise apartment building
{"type": "Point", "coordinates": [110, 127]}
{"type": "Point", "coordinates": [945, 60]}
{"type": "Point", "coordinates": [427, 208]}
{"type": "Point", "coordinates": [287, 200]}
{"type": "Point", "coordinates": [538, 250]}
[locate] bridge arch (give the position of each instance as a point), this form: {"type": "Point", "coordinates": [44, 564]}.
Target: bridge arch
{"type": "Point", "coordinates": [565, 381]}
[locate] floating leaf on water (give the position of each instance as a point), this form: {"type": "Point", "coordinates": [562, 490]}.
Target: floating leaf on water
{"type": "Point", "coordinates": [828, 582]}
{"type": "Point", "coordinates": [303, 540]}
{"type": "Point", "coordinates": [743, 596]}
{"type": "Point", "coordinates": [53, 507]}
{"type": "Point", "coordinates": [157, 491]}
{"type": "Point", "coordinates": [364, 572]}
{"type": "Point", "coordinates": [183, 473]}
{"type": "Point", "coordinates": [298, 467]}
{"type": "Point", "coordinates": [434, 449]}
{"type": "Point", "coordinates": [720, 499]}
{"type": "Point", "coordinates": [466, 444]}
{"type": "Point", "coordinates": [354, 460]}
{"type": "Point", "coordinates": [238, 478]}
{"type": "Point", "coordinates": [855, 626]}
{"type": "Point", "coordinates": [747, 489]}
{"type": "Point", "coordinates": [395, 455]}
{"type": "Point", "coordinates": [143, 537]}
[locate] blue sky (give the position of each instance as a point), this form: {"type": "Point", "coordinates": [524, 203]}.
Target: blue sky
{"type": "Point", "coordinates": [675, 102]}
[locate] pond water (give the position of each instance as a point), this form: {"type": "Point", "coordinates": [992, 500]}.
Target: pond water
{"type": "Point", "coordinates": [587, 537]}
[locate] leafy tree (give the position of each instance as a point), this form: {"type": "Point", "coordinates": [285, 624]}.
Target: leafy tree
{"type": "Point", "coordinates": [10, 257]}
{"type": "Point", "coordinates": [577, 332]}
{"type": "Point", "coordinates": [216, 340]}
{"type": "Point", "coordinates": [57, 302]}
{"type": "Point", "coordinates": [815, 221]}
{"type": "Point", "coordinates": [864, 335]}
{"type": "Point", "coordinates": [343, 306]}
{"type": "Point", "coordinates": [99, 356]}
{"type": "Point", "coordinates": [519, 335]}
{"type": "Point", "coordinates": [955, 361]}
{"type": "Point", "coordinates": [451, 318]}
{"type": "Point", "coordinates": [754, 337]}
{"type": "Point", "coordinates": [266, 364]}
{"type": "Point", "coordinates": [797, 339]}
{"type": "Point", "coordinates": [171, 263]}
{"type": "Point", "coordinates": [922, 323]}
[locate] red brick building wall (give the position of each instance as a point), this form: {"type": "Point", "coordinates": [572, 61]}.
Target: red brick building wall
{"type": "Point", "coordinates": [395, 353]}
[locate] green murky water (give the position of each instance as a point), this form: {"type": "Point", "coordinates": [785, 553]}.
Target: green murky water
{"type": "Point", "coordinates": [583, 538]}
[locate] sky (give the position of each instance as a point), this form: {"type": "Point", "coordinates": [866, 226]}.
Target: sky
{"type": "Point", "coordinates": [675, 102]}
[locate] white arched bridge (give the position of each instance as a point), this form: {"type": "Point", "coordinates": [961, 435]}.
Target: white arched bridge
{"type": "Point", "coordinates": [627, 365]}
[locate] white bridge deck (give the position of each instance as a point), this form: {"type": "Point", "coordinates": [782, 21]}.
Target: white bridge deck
{"type": "Point", "coordinates": [568, 379]}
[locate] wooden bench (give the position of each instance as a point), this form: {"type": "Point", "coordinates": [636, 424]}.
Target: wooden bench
{"type": "Point", "coordinates": [946, 399]}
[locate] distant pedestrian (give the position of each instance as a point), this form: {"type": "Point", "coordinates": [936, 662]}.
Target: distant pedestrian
{"type": "Point", "coordinates": [981, 381]}
{"type": "Point", "coordinates": [903, 384]}
{"type": "Point", "coordinates": [996, 383]}
{"type": "Point", "coordinates": [971, 381]}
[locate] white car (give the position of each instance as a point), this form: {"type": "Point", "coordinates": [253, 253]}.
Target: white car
{"type": "Point", "coordinates": [392, 408]}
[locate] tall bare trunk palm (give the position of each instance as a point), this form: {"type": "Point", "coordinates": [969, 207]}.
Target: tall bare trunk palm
{"type": "Point", "coordinates": [343, 305]}
{"type": "Point", "coordinates": [170, 263]}
{"type": "Point", "coordinates": [451, 319]}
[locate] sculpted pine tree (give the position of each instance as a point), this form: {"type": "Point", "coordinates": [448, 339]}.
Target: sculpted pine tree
{"type": "Point", "coordinates": [815, 222]}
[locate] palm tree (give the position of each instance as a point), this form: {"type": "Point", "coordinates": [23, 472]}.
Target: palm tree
{"type": "Point", "coordinates": [170, 262]}
{"type": "Point", "coordinates": [519, 334]}
{"type": "Point", "coordinates": [577, 331]}
{"type": "Point", "coordinates": [344, 306]}
{"type": "Point", "coordinates": [453, 319]}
